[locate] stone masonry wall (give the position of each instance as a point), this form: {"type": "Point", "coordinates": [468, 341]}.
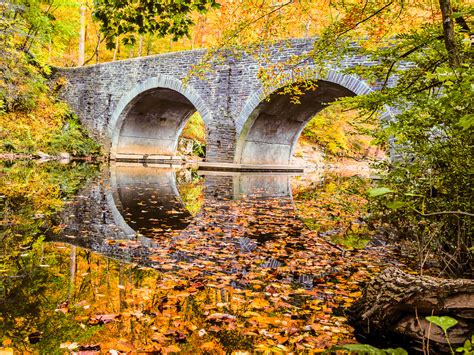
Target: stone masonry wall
{"type": "Point", "coordinates": [227, 96]}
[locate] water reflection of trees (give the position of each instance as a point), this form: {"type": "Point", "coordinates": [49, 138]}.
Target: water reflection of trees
{"type": "Point", "coordinates": [30, 196]}
{"type": "Point", "coordinates": [335, 207]}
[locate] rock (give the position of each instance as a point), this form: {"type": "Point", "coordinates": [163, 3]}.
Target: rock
{"type": "Point", "coordinates": [42, 155]}
{"type": "Point", "coordinates": [185, 146]}
{"type": "Point", "coordinates": [64, 157]}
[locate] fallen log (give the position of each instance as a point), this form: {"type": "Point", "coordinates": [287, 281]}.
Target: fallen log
{"type": "Point", "coordinates": [394, 305]}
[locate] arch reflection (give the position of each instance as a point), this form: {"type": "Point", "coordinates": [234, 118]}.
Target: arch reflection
{"type": "Point", "coordinates": [146, 200]}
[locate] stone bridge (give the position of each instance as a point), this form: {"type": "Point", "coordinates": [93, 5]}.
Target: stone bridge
{"type": "Point", "coordinates": [138, 107]}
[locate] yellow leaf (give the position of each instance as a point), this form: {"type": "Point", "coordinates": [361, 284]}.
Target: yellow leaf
{"type": "Point", "coordinates": [173, 348]}
{"type": "Point", "coordinates": [209, 345]}
{"type": "Point", "coordinates": [259, 303]}
{"type": "Point", "coordinates": [355, 294]}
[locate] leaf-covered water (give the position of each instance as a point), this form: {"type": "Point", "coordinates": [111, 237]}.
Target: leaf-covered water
{"type": "Point", "coordinates": [142, 259]}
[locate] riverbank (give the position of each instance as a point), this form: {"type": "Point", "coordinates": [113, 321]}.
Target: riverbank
{"type": "Point", "coordinates": [46, 157]}
{"type": "Point", "coordinates": [313, 158]}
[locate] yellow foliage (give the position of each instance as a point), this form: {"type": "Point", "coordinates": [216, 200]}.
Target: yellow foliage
{"type": "Point", "coordinates": [25, 132]}
{"type": "Point", "coordinates": [337, 132]}
{"type": "Point", "coordinates": [195, 129]}
{"type": "Point", "coordinates": [259, 303]}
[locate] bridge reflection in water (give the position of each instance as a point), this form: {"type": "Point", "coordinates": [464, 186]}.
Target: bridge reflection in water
{"type": "Point", "coordinates": [135, 213]}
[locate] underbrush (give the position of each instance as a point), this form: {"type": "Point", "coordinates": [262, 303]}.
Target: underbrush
{"type": "Point", "coordinates": [32, 118]}
{"type": "Point", "coordinates": [339, 133]}
{"type": "Point", "coordinates": [50, 128]}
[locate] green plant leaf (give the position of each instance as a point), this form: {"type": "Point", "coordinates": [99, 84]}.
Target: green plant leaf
{"type": "Point", "coordinates": [467, 347]}
{"type": "Point", "coordinates": [368, 349]}
{"type": "Point", "coordinates": [444, 322]}
{"type": "Point", "coordinates": [467, 121]}
{"type": "Point", "coordinates": [379, 191]}
{"type": "Point", "coordinates": [413, 195]}
{"type": "Point", "coordinates": [397, 351]}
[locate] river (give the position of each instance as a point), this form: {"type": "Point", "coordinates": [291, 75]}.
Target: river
{"type": "Point", "coordinates": [133, 258]}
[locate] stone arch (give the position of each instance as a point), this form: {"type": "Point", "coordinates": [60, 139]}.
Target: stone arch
{"type": "Point", "coordinates": [148, 119]}
{"type": "Point", "coordinates": [276, 147]}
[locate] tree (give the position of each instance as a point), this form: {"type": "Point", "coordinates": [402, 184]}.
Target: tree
{"type": "Point", "coordinates": [448, 32]}
{"type": "Point", "coordinates": [430, 189]}
{"type": "Point", "coordinates": [161, 18]}
{"type": "Point", "coordinates": [422, 55]}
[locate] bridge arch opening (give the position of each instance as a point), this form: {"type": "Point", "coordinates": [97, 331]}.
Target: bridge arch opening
{"type": "Point", "coordinates": [270, 132]}
{"type": "Point", "coordinates": [149, 119]}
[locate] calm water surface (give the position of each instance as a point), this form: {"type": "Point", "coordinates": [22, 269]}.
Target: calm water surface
{"type": "Point", "coordinates": [152, 259]}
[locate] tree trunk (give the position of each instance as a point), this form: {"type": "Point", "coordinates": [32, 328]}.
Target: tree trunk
{"type": "Point", "coordinates": [448, 32]}
{"type": "Point", "coordinates": [395, 304]}
{"type": "Point", "coordinates": [140, 45]}
{"type": "Point", "coordinates": [97, 49]}
{"type": "Point", "coordinates": [148, 44]}
{"type": "Point", "coordinates": [82, 35]}
{"type": "Point", "coordinates": [116, 49]}
{"type": "Point", "coordinates": [307, 27]}
{"type": "Point", "coordinates": [72, 272]}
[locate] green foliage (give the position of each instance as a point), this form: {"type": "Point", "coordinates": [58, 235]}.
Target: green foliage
{"type": "Point", "coordinates": [161, 18]}
{"type": "Point", "coordinates": [379, 191]}
{"type": "Point", "coordinates": [73, 139]}
{"type": "Point", "coordinates": [50, 128]}
{"type": "Point", "coordinates": [431, 201]}
{"type": "Point", "coordinates": [467, 347]}
{"type": "Point", "coordinates": [192, 194]}
{"type": "Point", "coordinates": [199, 149]}
{"type": "Point", "coordinates": [195, 129]}
{"type": "Point", "coordinates": [339, 132]}
{"type": "Point", "coordinates": [444, 322]}
{"type": "Point", "coordinates": [28, 29]}
{"type": "Point", "coordinates": [368, 349]}
{"type": "Point", "coordinates": [31, 117]}
{"type": "Point", "coordinates": [21, 79]}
